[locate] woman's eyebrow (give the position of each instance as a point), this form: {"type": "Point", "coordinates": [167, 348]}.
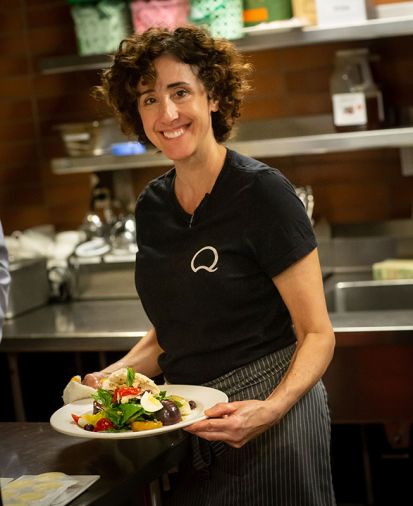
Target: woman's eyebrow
{"type": "Point", "coordinates": [178, 83]}
{"type": "Point", "coordinates": [169, 86]}
{"type": "Point", "coordinates": [149, 90]}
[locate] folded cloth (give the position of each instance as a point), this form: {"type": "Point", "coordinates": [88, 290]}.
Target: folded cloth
{"type": "Point", "coordinates": [75, 391]}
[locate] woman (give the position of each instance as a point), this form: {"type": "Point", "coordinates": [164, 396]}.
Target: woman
{"type": "Point", "coordinates": [228, 273]}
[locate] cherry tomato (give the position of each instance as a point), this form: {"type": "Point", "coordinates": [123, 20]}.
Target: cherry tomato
{"type": "Point", "coordinates": [103, 424]}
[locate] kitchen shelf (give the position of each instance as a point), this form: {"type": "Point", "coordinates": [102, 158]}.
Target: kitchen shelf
{"type": "Point", "coordinates": [371, 29]}
{"type": "Point", "coordinates": [108, 162]}
{"type": "Point", "coordinates": [261, 139]}
{"type": "Point", "coordinates": [265, 39]}
{"type": "Point", "coordinates": [74, 63]}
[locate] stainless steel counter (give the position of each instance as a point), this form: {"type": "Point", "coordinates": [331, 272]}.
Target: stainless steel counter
{"type": "Point", "coordinates": [77, 326]}
{"type": "Point", "coordinates": [372, 361]}
{"type": "Point", "coordinates": [117, 325]}
{"type": "Point", "coordinates": [373, 321]}
{"type": "Point", "coordinates": [105, 326]}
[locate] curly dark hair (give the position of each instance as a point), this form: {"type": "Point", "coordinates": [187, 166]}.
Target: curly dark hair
{"type": "Point", "coordinates": [217, 63]}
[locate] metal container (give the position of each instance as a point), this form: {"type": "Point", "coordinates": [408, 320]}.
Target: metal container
{"type": "Point", "coordinates": [355, 253]}
{"type": "Point", "coordinates": [96, 279]}
{"type": "Point", "coordinates": [90, 138]}
{"type": "Point", "coordinates": [29, 286]}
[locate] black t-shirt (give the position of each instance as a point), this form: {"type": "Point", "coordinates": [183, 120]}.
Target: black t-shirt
{"type": "Point", "coordinates": [205, 280]}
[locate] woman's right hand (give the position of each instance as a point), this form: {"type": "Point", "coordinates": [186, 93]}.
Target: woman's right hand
{"type": "Point", "coordinates": [93, 379]}
{"type": "Point", "coordinates": [143, 357]}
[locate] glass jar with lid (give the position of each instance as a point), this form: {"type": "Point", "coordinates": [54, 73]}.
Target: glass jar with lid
{"type": "Point", "coordinates": [357, 100]}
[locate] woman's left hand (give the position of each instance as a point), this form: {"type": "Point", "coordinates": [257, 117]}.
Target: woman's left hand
{"type": "Point", "coordinates": [235, 423]}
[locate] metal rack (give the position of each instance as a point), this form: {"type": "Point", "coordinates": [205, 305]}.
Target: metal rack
{"type": "Point", "coordinates": [261, 139]}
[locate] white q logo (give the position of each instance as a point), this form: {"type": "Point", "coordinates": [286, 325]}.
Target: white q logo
{"type": "Point", "coordinates": [209, 268]}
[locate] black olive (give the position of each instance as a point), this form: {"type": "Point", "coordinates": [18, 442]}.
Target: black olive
{"type": "Point", "coordinates": [192, 404]}
{"type": "Point", "coordinates": [169, 414]}
{"type": "Point", "coordinates": [89, 427]}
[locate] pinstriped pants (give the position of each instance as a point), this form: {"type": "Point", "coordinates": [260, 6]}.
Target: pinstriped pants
{"type": "Point", "coordinates": [288, 465]}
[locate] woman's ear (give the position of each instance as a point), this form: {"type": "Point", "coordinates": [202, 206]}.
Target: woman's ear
{"type": "Point", "coordinates": [214, 104]}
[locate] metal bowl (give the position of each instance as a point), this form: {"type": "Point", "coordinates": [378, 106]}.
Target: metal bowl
{"type": "Point", "coordinates": [89, 138]}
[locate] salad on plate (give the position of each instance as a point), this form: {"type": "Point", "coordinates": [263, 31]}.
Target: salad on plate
{"type": "Point", "coordinates": [130, 401]}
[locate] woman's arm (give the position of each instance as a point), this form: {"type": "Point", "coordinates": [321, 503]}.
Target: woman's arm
{"type": "Point", "coordinates": [301, 288]}
{"type": "Point", "coordinates": [143, 357]}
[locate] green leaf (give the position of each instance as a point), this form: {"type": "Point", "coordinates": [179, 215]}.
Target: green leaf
{"type": "Point", "coordinates": [115, 415]}
{"type": "Point", "coordinates": [130, 377]}
{"type": "Point", "coordinates": [129, 411]}
{"type": "Point", "coordinates": [103, 397]}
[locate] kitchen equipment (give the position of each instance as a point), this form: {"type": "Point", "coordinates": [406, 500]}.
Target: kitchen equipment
{"type": "Point", "coordinates": [123, 236]}
{"type": "Point", "coordinates": [306, 196]}
{"type": "Point", "coordinates": [99, 220]}
{"type": "Point", "coordinates": [354, 255]}
{"type": "Point", "coordinates": [103, 278]}
{"type": "Point", "coordinates": [29, 286]}
{"type": "Point", "coordinates": [90, 138]}
{"type": "Point", "coordinates": [93, 248]}
{"type": "Point", "coordinates": [357, 100]}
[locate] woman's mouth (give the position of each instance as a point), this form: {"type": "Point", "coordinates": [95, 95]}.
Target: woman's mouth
{"type": "Point", "coordinates": [173, 134]}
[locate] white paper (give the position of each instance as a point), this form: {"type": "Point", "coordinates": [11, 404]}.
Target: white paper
{"type": "Point", "coordinates": [82, 483]}
{"type": "Point", "coordinates": [340, 12]}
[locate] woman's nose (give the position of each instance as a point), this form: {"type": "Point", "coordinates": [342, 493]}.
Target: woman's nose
{"type": "Point", "coordinates": [169, 110]}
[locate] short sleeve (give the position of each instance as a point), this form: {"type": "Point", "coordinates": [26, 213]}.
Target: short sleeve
{"type": "Point", "coordinates": [280, 232]}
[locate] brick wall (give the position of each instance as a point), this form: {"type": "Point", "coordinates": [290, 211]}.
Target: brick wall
{"type": "Point", "coordinates": [349, 187]}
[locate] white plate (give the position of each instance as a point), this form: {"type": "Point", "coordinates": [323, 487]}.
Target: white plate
{"type": "Point", "coordinates": [204, 397]}
{"type": "Point", "coordinates": [92, 248]}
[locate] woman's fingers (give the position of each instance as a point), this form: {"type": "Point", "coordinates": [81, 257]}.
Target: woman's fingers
{"type": "Point", "coordinates": [93, 379]}
{"type": "Point", "coordinates": [221, 409]}
{"type": "Point", "coordinates": [235, 423]}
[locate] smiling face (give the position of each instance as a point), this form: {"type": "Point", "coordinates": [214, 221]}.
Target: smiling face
{"type": "Point", "coordinates": [176, 111]}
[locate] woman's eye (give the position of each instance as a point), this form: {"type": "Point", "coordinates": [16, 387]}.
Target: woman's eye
{"type": "Point", "coordinates": [181, 93]}
{"type": "Point", "coordinates": [148, 101]}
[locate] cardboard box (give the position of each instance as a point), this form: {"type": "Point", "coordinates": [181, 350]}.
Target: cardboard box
{"type": "Point", "coordinates": [306, 10]}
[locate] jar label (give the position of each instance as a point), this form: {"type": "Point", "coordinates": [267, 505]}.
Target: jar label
{"type": "Point", "coordinates": [349, 109]}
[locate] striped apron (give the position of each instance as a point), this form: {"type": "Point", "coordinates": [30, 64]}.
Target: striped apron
{"type": "Point", "coordinates": [288, 465]}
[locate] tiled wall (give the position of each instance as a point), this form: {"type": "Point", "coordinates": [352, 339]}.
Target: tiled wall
{"type": "Point", "coordinates": [349, 187]}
